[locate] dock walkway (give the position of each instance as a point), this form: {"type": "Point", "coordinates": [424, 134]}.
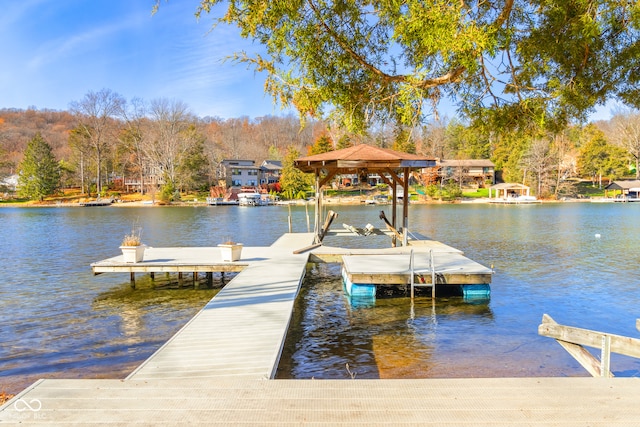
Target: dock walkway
{"type": "Point", "coordinates": [241, 331]}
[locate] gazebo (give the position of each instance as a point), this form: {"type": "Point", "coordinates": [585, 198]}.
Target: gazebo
{"type": "Point", "coordinates": [629, 189]}
{"type": "Point", "coordinates": [393, 167]}
{"type": "Point", "coordinates": [506, 189]}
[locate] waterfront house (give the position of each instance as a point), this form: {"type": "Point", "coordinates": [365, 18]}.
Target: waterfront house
{"type": "Point", "coordinates": [471, 171]}
{"type": "Point", "coordinates": [270, 171]}
{"type": "Point", "coordinates": [239, 173]}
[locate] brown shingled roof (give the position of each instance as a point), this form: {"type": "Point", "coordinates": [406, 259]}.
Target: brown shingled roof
{"type": "Point", "coordinates": [363, 156]}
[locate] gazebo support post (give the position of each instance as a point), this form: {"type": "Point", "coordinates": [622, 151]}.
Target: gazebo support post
{"type": "Point", "coordinates": [405, 207]}
{"type": "Point", "coordinates": [318, 204]}
{"type": "Point", "coordinates": [394, 206]}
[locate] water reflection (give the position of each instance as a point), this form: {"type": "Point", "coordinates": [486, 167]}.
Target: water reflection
{"type": "Point", "coordinates": [389, 338]}
{"type": "Point", "coordinates": [128, 309]}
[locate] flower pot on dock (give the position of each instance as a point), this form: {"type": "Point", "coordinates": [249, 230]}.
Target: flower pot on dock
{"type": "Point", "coordinates": [230, 251]}
{"type": "Point", "coordinates": [132, 254]}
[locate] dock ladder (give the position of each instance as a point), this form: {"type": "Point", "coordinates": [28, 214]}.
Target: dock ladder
{"type": "Point", "coordinates": [431, 270]}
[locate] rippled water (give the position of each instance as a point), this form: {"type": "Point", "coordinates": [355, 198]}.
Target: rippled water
{"type": "Point", "coordinates": [547, 259]}
{"type": "Point", "coordinates": [58, 320]}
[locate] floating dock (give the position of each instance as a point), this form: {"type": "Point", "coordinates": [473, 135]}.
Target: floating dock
{"type": "Point", "coordinates": [96, 203]}
{"type": "Point", "coordinates": [218, 369]}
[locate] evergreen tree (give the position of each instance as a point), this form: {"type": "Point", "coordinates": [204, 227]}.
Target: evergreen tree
{"type": "Point", "coordinates": [538, 61]}
{"type": "Point", "coordinates": [344, 142]}
{"type": "Point", "coordinates": [193, 167]}
{"type": "Point", "coordinates": [39, 173]}
{"type": "Point", "coordinates": [292, 180]}
{"type": "Point", "coordinates": [322, 145]}
{"type": "Point", "coordinates": [403, 141]}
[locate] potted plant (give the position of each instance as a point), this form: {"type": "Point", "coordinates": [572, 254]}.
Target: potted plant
{"type": "Point", "coordinates": [230, 251]}
{"type": "Point", "coordinates": [132, 247]}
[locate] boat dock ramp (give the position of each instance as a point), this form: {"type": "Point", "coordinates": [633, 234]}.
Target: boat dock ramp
{"type": "Point", "coordinates": [219, 368]}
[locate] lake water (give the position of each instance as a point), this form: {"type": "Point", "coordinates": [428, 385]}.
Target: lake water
{"type": "Point", "coordinates": [60, 321]}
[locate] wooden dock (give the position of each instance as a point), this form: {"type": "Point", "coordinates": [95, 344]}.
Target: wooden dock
{"type": "Point", "coordinates": [241, 331]}
{"type": "Point", "coordinates": [97, 203]}
{"type": "Point", "coordinates": [477, 402]}
{"type": "Point", "coordinates": [218, 369]}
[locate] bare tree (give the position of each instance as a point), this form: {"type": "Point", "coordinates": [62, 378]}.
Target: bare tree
{"type": "Point", "coordinates": [434, 140]}
{"type": "Point", "coordinates": [538, 160]}
{"type": "Point", "coordinates": [626, 134]}
{"type": "Point", "coordinates": [565, 159]}
{"type": "Point", "coordinates": [133, 136]}
{"type": "Point", "coordinates": [171, 137]}
{"type": "Point", "coordinates": [96, 114]}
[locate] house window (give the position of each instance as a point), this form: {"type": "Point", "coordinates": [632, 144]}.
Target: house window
{"type": "Point", "coordinates": [236, 171]}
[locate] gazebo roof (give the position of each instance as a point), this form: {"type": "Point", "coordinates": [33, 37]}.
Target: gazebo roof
{"type": "Point", "coordinates": [362, 156]}
{"type": "Point", "coordinates": [509, 186]}
{"type": "Point", "coordinates": [623, 185]}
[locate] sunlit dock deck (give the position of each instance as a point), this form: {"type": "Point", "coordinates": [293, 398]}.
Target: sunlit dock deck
{"type": "Point", "coordinates": [218, 369]}
{"type": "Point", "coordinates": [474, 402]}
{"type": "Point", "coordinates": [241, 331]}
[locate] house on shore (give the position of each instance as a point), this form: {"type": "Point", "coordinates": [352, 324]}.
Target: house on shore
{"type": "Point", "coordinates": [245, 173]}
{"type": "Point", "coordinates": [472, 171]}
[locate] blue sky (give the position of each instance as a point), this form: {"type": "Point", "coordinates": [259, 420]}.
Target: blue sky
{"type": "Point", "coordinates": [55, 51]}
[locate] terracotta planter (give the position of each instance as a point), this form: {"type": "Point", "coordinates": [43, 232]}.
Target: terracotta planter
{"type": "Point", "coordinates": [132, 254]}
{"type": "Point", "coordinates": [229, 252]}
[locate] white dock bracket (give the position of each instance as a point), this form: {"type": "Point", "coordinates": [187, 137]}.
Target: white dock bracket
{"type": "Point", "coordinates": [432, 265]}
{"type": "Point", "coordinates": [411, 273]}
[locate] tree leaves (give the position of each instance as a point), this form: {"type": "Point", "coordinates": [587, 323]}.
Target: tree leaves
{"type": "Point", "coordinates": [369, 61]}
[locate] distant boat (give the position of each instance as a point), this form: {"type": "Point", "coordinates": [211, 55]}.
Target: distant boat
{"type": "Point", "coordinates": [377, 200]}
{"type": "Point", "coordinates": [250, 197]}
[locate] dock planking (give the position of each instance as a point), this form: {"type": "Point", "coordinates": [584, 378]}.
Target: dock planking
{"type": "Point", "coordinates": [473, 402]}
{"type": "Point", "coordinates": [241, 331]}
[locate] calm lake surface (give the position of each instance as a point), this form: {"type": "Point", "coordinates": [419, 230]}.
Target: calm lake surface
{"type": "Point", "coordinates": [60, 321]}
